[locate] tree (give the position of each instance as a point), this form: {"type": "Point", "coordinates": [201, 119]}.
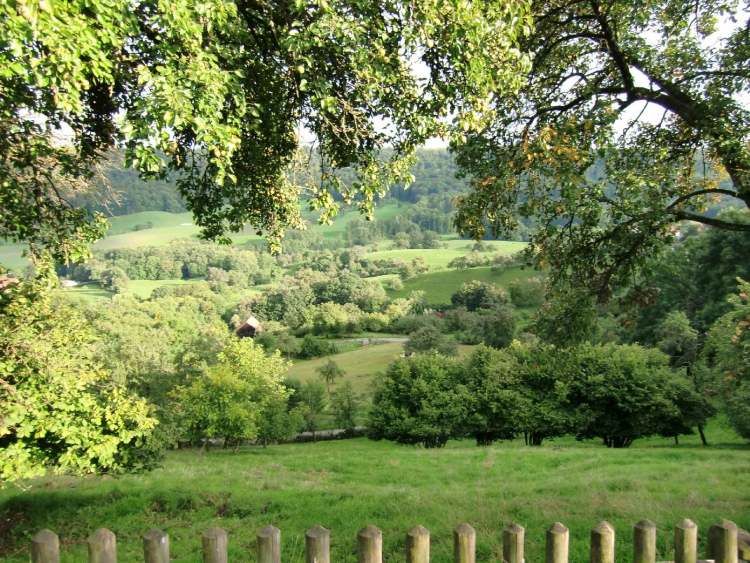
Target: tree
{"type": "Point", "coordinates": [417, 401]}
{"type": "Point", "coordinates": [622, 393]}
{"type": "Point", "coordinates": [345, 406]}
{"type": "Point", "coordinates": [631, 121]}
{"type": "Point", "coordinates": [114, 279]}
{"type": "Point", "coordinates": [229, 399]}
{"type": "Point", "coordinates": [430, 339]}
{"type": "Point", "coordinates": [492, 379]}
{"type": "Point", "coordinates": [727, 355]}
{"type": "Point", "coordinates": [498, 326]}
{"type": "Point", "coordinates": [329, 373]}
{"type": "Point", "coordinates": [219, 92]}
{"type": "Point", "coordinates": [61, 410]}
{"type": "Point", "coordinates": [312, 404]}
{"type": "Point", "coordinates": [279, 422]}
{"type": "Point", "coordinates": [477, 294]}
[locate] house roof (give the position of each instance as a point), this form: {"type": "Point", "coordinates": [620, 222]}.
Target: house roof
{"type": "Point", "coordinates": [252, 321]}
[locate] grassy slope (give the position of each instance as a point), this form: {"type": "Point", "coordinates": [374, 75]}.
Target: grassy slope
{"type": "Point", "coordinates": [439, 286]}
{"type": "Point", "coordinates": [439, 258]}
{"type": "Point", "coordinates": [360, 365]}
{"type": "Point", "coordinates": [347, 484]}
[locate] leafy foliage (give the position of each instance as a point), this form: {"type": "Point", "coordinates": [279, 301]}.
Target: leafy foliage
{"type": "Point", "coordinates": [61, 410]}
{"type": "Point", "coordinates": [230, 398]}
{"type": "Point", "coordinates": [579, 149]}
{"type": "Point", "coordinates": [215, 92]}
{"type": "Point", "coordinates": [417, 402]}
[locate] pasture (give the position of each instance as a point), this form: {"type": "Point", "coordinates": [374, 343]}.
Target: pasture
{"type": "Point", "coordinates": [345, 485]}
{"type": "Point", "coordinates": [439, 286]}
{"type": "Point", "coordinates": [439, 258]}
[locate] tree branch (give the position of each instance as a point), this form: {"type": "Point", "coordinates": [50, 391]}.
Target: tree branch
{"type": "Point", "coordinates": [712, 221]}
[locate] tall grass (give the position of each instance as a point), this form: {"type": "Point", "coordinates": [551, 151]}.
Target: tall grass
{"type": "Point", "coordinates": [348, 484]}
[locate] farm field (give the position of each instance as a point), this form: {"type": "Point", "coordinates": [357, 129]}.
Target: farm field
{"type": "Point", "coordinates": [345, 485]}
{"type": "Point", "coordinates": [439, 286]}
{"type": "Point", "coordinates": [360, 365]}
{"type": "Point", "coordinates": [439, 258]}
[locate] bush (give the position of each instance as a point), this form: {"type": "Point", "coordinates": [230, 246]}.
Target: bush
{"type": "Point", "coordinates": [228, 400]}
{"type": "Point", "coordinates": [315, 347]}
{"type": "Point", "coordinates": [622, 393]}
{"type": "Point", "coordinates": [430, 339]}
{"type": "Point", "coordinates": [477, 294]}
{"type": "Point", "coordinates": [345, 406]}
{"type": "Point", "coordinates": [527, 293]}
{"type": "Point", "coordinates": [418, 402]}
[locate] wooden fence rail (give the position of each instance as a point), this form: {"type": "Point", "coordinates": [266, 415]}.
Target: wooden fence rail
{"type": "Point", "coordinates": [723, 546]}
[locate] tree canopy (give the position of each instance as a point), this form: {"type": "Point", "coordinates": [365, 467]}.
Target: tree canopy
{"type": "Point", "coordinates": [217, 92]}
{"type": "Point", "coordinates": [632, 120]}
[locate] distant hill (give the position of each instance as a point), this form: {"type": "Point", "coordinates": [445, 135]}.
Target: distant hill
{"type": "Point", "coordinates": [435, 173]}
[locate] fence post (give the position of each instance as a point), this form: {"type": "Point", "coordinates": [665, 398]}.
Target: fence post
{"type": "Point", "coordinates": [513, 544]}
{"type": "Point", "coordinates": [722, 542]}
{"type": "Point", "coordinates": [603, 543]}
{"type": "Point", "coordinates": [464, 544]}
{"type": "Point", "coordinates": [418, 545]}
{"type": "Point", "coordinates": [156, 547]}
{"type": "Point", "coordinates": [557, 544]}
{"type": "Point", "coordinates": [370, 545]}
{"type": "Point", "coordinates": [215, 546]}
{"type": "Point", "coordinates": [102, 547]}
{"type": "Point", "coordinates": [45, 547]}
{"type": "Point", "coordinates": [318, 545]}
{"type": "Point", "coordinates": [269, 545]}
{"type": "Point", "coordinates": [644, 542]}
{"type": "Point", "coordinates": [686, 542]}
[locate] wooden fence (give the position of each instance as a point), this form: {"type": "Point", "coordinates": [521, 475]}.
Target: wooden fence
{"type": "Point", "coordinates": [724, 545]}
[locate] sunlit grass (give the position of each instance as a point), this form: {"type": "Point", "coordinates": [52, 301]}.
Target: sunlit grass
{"type": "Point", "coordinates": [347, 484]}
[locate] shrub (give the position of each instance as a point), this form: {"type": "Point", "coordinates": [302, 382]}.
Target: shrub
{"type": "Point", "coordinates": [345, 406]}
{"type": "Point", "coordinates": [228, 399]}
{"type": "Point", "coordinates": [477, 294]}
{"type": "Point", "coordinates": [315, 347]}
{"type": "Point", "coordinates": [621, 393]}
{"type": "Point", "coordinates": [430, 339]}
{"type": "Point", "coordinates": [418, 402]}
{"type": "Point", "coordinates": [528, 292]}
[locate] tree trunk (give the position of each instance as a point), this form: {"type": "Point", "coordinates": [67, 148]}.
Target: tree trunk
{"type": "Point", "coordinates": [703, 435]}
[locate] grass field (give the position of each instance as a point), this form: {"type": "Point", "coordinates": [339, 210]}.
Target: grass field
{"type": "Point", "coordinates": [439, 258]}
{"type": "Point", "coordinates": [361, 365]}
{"type": "Point", "coordinates": [439, 286]}
{"type": "Point", "coordinates": [345, 485]}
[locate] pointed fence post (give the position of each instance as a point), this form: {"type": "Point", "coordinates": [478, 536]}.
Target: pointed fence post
{"type": "Point", "coordinates": [722, 542]}
{"type": "Point", "coordinates": [370, 545]}
{"type": "Point", "coordinates": [102, 547]}
{"type": "Point", "coordinates": [557, 543]}
{"type": "Point", "coordinates": [418, 545]}
{"type": "Point", "coordinates": [45, 547]}
{"type": "Point", "coordinates": [156, 547]}
{"type": "Point", "coordinates": [513, 536]}
{"type": "Point", "coordinates": [318, 545]}
{"type": "Point", "coordinates": [686, 542]}
{"type": "Point", "coordinates": [269, 545]}
{"type": "Point", "coordinates": [215, 542]}
{"type": "Point", "coordinates": [603, 543]}
{"type": "Point", "coordinates": [464, 544]}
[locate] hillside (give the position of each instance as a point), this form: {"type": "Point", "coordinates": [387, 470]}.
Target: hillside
{"type": "Point", "coordinates": [347, 484]}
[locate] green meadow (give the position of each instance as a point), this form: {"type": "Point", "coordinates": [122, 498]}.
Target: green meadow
{"type": "Point", "coordinates": [439, 286]}
{"type": "Point", "coordinates": [345, 485]}
{"type": "Point", "coordinates": [439, 258]}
